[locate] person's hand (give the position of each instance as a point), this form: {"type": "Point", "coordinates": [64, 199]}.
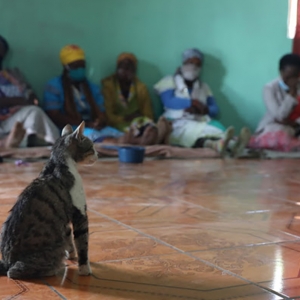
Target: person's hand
{"type": "Point", "coordinates": [292, 83]}
{"type": "Point", "coordinates": [191, 110]}
{"type": "Point", "coordinates": [201, 108]}
{"type": "Point", "coordinates": [287, 122]}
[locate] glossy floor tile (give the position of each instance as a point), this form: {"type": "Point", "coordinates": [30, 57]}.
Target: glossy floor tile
{"type": "Point", "coordinates": [176, 229]}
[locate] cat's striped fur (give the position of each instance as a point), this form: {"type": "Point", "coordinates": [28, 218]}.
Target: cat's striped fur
{"type": "Point", "coordinates": [38, 231]}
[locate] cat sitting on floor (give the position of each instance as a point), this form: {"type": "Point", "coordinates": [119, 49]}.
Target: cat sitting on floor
{"type": "Point", "coordinates": [37, 233]}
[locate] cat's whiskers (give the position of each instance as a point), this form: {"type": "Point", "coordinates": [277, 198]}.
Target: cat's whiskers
{"type": "Point", "coordinates": [64, 276]}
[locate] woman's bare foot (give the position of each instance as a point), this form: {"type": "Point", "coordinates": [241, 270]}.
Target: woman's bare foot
{"type": "Point", "coordinates": [15, 137]}
{"type": "Point", "coordinates": [127, 138]}
{"type": "Point", "coordinates": [164, 131]}
{"type": "Point", "coordinates": [149, 136]}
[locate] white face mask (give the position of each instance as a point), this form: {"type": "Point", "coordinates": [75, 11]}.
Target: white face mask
{"type": "Point", "coordinates": [190, 72]}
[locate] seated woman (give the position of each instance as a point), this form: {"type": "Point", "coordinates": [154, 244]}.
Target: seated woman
{"type": "Point", "coordinates": [19, 114]}
{"type": "Point", "coordinates": [127, 100]}
{"type": "Point", "coordinates": [71, 97]}
{"type": "Point", "coordinates": [125, 96]}
{"type": "Point", "coordinates": [191, 106]}
{"type": "Point", "coordinates": [279, 128]}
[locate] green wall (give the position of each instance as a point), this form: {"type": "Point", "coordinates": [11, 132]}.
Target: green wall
{"type": "Point", "coordinates": [242, 40]}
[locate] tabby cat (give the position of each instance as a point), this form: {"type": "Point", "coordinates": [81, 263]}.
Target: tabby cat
{"type": "Point", "coordinates": [37, 233]}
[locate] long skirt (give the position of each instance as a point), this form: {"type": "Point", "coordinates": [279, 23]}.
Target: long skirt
{"type": "Point", "coordinates": [34, 121]}
{"type": "Point", "coordinates": [186, 132]}
{"type": "Point", "coordinates": [276, 141]}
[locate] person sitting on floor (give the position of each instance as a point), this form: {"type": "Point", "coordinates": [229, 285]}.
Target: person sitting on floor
{"type": "Point", "coordinates": [125, 96]}
{"type": "Point", "coordinates": [279, 128]}
{"type": "Point", "coordinates": [20, 117]}
{"type": "Point", "coordinates": [71, 97]}
{"type": "Point", "coordinates": [191, 107]}
{"type": "Point", "coordinates": [128, 103]}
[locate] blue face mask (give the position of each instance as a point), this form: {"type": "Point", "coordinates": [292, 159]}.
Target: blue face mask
{"type": "Point", "coordinates": [77, 74]}
{"type": "Point", "coordinates": [283, 85]}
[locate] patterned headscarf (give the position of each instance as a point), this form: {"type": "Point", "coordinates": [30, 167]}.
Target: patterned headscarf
{"type": "Point", "coordinates": [71, 53]}
{"type": "Point", "coordinates": [191, 53]}
{"type": "Point", "coordinates": [129, 56]}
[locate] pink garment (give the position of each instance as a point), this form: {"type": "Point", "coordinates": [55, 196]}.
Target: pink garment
{"type": "Point", "coordinates": [277, 141]}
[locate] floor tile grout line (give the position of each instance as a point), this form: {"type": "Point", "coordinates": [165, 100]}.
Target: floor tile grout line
{"type": "Point", "coordinates": [205, 250]}
{"type": "Point", "coordinates": [247, 246]}
{"type": "Point", "coordinates": [290, 234]}
{"type": "Point", "coordinates": [188, 254]}
{"type": "Point", "coordinates": [129, 258]}
{"type": "Point", "coordinates": [215, 211]}
{"type": "Point", "coordinates": [23, 289]}
{"type": "Point", "coordinates": [264, 243]}
{"type": "Point", "coordinates": [224, 213]}
{"type": "Point", "coordinates": [285, 200]}
{"type": "Point", "coordinates": [54, 290]}
{"type": "Point", "coordinates": [176, 226]}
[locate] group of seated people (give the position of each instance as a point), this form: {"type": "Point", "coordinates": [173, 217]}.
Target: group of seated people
{"type": "Point", "coordinates": [121, 111]}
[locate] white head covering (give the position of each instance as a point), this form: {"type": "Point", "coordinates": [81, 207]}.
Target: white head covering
{"type": "Point", "coordinates": [191, 53]}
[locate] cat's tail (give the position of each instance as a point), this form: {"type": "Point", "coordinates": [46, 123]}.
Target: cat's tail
{"type": "Point", "coordinates": [3, 268]}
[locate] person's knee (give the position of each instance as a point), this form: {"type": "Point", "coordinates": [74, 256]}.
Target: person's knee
{"type": "Point", "coordinates": [36, 109]}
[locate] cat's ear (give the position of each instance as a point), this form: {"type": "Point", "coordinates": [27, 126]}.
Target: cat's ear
{"type": "Point", "coordinates": [79, 130]}
{"type": "Point", "coordinates": [67, 130]}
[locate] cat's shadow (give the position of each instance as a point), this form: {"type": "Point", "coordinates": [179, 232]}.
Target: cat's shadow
{"type": "Point", "coordinates": [159, 280]}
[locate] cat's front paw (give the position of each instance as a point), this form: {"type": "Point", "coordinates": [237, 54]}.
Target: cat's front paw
{"type": "Point", "coordinates": [85, 270]}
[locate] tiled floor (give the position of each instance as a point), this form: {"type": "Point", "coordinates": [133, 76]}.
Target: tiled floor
{"type": "Point", "coordinates": [211, 229]}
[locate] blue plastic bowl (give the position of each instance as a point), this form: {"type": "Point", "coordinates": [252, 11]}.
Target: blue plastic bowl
{"type": "Point", "coordinates": [132, 155]}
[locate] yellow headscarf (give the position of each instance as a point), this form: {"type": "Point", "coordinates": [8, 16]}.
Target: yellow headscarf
{"type": "Point", "coordinates": [129, 56]}
{"type": "Point", "coordinates": [71, 53]}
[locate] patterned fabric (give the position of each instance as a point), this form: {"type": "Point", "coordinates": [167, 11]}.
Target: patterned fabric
{"type": "Point", "coordinates": [54, 98]}
{"type": "Point", "coordinates": [277, 141]}
{"type": "Point", "coordinates": [12, 84]}
{"type": "Point", "coordinates": [140, 124]}
{"type": "Point", "coordinates": [9, 86]}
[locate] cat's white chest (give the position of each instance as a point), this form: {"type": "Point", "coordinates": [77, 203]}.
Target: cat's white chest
{"type": "Point", "coordinates": [77, 191]}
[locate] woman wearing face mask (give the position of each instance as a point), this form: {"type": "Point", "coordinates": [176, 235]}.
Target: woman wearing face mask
{"type": "Point", "coordinates": [191, 106]}
{"type": "Point", "coordinates": [279, 129]}
{"type": "Point", "coordinates": [71, 97]}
